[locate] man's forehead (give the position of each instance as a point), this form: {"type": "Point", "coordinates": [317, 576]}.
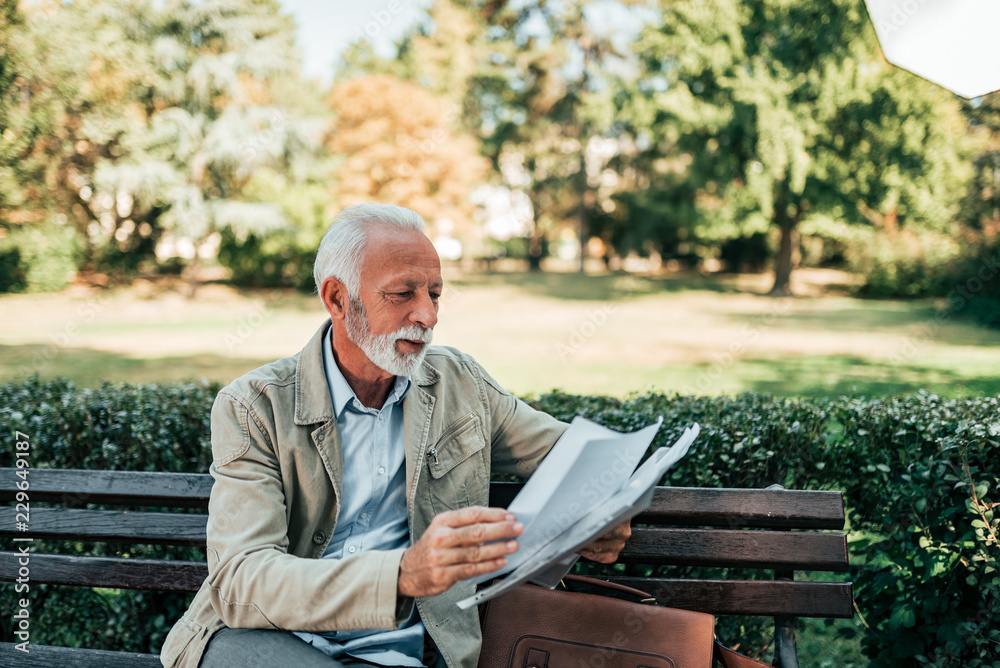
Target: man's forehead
{"type": "Point", "coordinates": [402, 257]}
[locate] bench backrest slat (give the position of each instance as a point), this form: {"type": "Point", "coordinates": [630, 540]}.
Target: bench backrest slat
{"type": "Point", "coordinates": [686, 506]}
{"type": "Point", "coordinates": [749, 597]}
{"type": "Point", "coordinates": [738, 549]}
{"type": "Point", "coordinates": [109, 525]}
{"type": "Point", "coordinates": [110, 572]}
{"type": "Point", "coordinates": [139, 488]}
{"type": "Point", "coordinates": [686, 547]}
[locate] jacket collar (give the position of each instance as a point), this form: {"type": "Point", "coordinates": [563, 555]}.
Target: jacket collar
{"type": "Point", "coordinates": [312, 394]}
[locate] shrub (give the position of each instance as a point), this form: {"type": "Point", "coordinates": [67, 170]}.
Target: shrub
{"type": "Point", "coordinates": [904, 264]}
{"type": "Point", "coordinates": [266, 263]}
{"type": "Point", "coordinates": [974, 291]}
{"type": "Point", "coordinates": [40, 258]}
{"type": "Point", "coordinates": [963, 270]}
{"type": "Point", "coordinates": [920, 476]}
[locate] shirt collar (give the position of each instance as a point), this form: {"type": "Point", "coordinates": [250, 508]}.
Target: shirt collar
{"type": "Point", "coordinates": [340, 390]}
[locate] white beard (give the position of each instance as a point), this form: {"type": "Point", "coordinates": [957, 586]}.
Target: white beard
{"type": "Point", "coordinates": [381, 349]}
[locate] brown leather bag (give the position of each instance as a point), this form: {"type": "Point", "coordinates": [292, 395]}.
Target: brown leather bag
{"type": "Point", "coordinates": [535, 627]}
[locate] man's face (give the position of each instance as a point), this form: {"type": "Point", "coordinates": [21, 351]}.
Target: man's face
{"type": "Point", "coordinates": [400, 286]}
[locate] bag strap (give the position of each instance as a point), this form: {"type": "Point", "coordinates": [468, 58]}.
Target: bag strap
{"type": "Point", "coordinates": [731, 659]}
{"type": "Point", "coordinates": [614, 586]}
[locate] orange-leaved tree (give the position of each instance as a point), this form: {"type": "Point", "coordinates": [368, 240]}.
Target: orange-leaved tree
{"type": "Point", "coordinates": [401, 144]}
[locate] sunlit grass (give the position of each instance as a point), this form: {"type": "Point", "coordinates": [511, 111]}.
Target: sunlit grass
{"type": "Point", "coordinates": [609, 334]}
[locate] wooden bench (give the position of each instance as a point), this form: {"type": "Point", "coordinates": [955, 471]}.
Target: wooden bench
{"type": "Point", "coordinates": [776, 530]}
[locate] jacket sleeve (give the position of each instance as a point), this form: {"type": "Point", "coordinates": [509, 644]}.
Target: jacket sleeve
{"type": "Point", "coordinates": [254, 582]}
{"type": "Point", "coordinates": [522, 435]}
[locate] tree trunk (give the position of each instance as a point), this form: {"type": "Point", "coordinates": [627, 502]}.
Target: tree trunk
{"type": "Point", "coordinates": [536, 248]}
{"type": "Point", "coordinates": [192, 274]}
{"type": "Point", "coordinates": [784, 263]}
{"type": "Point", "coordinates": [536, 242]}
{"type": "Point", "coordinates": [583, 224]}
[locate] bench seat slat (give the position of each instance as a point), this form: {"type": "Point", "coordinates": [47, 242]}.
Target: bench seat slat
{"type": "Point", "coordinates": [109, 525]}
{"type": "Point", "coordinates": [110, 572]}
{"type": "Point", "coordinates": [689, 506]}
{"type": "Point", "coordinates": [46, 656]}
{"type": "Point", "coordinates": [749, 597]}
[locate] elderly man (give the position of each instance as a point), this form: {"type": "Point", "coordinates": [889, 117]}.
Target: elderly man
{"type": "Point", "coordinates": [351, 480]}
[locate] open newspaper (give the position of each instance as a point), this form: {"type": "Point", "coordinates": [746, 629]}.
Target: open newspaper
{"type": "Point", "coordinates": [587, 485]}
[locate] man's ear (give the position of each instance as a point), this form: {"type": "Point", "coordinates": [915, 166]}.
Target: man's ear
{"type": "Point", "coordinates": [335, 298]}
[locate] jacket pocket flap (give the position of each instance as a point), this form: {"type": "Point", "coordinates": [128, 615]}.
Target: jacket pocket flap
{"type": "Point", "coordinates": [459, 442]}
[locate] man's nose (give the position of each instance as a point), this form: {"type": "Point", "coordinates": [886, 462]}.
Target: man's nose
{"type": "Point", "coordinates": [425, 313]}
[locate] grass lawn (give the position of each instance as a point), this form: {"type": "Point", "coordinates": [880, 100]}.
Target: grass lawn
{"type": "Point", "coordinates": [608, 334]}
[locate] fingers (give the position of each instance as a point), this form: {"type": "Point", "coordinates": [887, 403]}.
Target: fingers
{"type": "Point", "coordinates": [472, 515]}
{"type": "Point", "coordinates": [621, 532]}
{"type": "Point", "coordinates": [475, 534]}
{"type": "Point", "coordinates": [605, 550]}
{"type": "Point", "coordinates": [600, 557]}
{"type": "Point", "coordinates": [457, 545]}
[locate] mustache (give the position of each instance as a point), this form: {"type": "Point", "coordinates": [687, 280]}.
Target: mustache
{"type": "Point", "coordinates": [414, 333]}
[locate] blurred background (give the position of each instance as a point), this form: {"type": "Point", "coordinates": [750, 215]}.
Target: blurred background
{"type": "Point", "coordinates": [627, 196]}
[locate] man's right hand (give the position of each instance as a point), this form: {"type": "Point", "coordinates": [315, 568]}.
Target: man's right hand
{"type": "Point", "coordinates": [458, 544]}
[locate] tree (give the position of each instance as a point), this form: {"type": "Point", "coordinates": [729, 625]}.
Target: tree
{"type": "Point", "coordinates": [530, 81]}
{"type": "Point", "coordinates": [401, 143]}
{"type": "Point", "coordinates": [983, 201]}
{"type": "Point", "coordinates": [78, 69]}
{"type": "Point", "coordinates": [780, 114]}
{"type": "Point", "coordinates": [210, 122]}
{"type": "Point", "coordinates": [542, 99]}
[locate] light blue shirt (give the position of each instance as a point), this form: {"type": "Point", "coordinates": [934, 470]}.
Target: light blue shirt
{"type": "Point", "coordinates": [372, 510]}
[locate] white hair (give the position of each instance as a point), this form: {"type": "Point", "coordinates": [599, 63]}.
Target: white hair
{"type": "Point", "coordinates": [342, 250]}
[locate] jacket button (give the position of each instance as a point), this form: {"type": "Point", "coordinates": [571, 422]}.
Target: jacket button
{"type": "Point", "coordinates": [319, 537]}
{"type": "Point", "coordinates": [320, 438]}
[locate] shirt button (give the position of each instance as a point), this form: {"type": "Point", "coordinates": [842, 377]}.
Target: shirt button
{"type": "Point", "coordinates": [351, 549]}
{"type": "Point", "coordinates": [364, 516]}
{"type": "Point", "coordinates": [381, 470]}
{"type": "Point", "coordinates": [319, 537]}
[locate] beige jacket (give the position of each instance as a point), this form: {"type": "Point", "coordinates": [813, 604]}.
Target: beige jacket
{"type": "Point", "coordinates": [278, 480]}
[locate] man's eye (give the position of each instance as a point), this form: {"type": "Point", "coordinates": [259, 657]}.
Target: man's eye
{"type": "Point", "coordinates": [404, 295]}
{"type": "Point", "coordinates": [435, 295]}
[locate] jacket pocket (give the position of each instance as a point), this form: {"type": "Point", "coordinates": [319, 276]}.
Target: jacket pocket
{"type": "Point", "coordinates": [457, 443]}
{"type": "Point", "coordinates": [458, 466]}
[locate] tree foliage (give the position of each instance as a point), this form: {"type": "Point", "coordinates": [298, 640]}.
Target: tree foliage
{"type": "Point", "coordinates": [400, 143]}
{"type": "Point", "coordinates": [780, 114]}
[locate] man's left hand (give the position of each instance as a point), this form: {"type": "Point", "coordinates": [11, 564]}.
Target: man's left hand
{"type": "Point", "coordinates": [606, 548]}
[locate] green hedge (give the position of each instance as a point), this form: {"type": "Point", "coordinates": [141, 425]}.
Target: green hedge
{"type": "Point", "coordinates": [920, 476]}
